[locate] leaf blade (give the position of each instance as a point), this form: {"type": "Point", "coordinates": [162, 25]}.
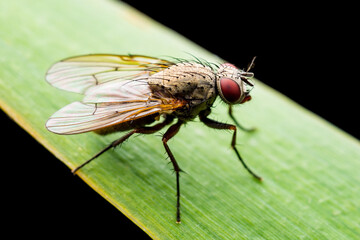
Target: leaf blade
{"type": "Point", "coordinates": [306, 193]}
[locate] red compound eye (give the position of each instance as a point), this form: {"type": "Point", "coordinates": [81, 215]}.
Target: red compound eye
{"type": "Point", "coordinates": [230, 90]}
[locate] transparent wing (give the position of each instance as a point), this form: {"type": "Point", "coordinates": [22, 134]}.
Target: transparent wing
{"type": "Point", "coordinates": [109, 104]}
{"type": "Point", "coordinates": [77, 74]}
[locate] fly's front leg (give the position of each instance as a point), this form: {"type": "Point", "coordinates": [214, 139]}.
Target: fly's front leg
{"type": "Point", "coordinates": [167, 136]}
{"type": "Point", "coordinates": [237, 123]}
{"type": "Point", "coordinates": [218, 125]}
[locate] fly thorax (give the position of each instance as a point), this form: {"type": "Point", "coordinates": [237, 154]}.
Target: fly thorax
{"type": "Point", "coordinates": [188, 81]}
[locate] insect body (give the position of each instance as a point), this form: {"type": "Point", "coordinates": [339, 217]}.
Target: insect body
{"type": "Point", "coordinates": [129, 92]}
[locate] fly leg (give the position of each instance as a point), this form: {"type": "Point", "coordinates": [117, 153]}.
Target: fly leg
{"type": "Point", "coordinates": [218, 125]}
{"type": "Point", "coordinates": [113, 144]}
{"type": "Point", "coordinates": [142, 130]}
{"type": "Point", "coordinates": [237, 123]}
{"type": "Point", "coordinates": [167, 136]}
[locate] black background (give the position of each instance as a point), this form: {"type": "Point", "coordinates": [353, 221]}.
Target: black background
{"type": "Point", "coordinates": [305, 51]}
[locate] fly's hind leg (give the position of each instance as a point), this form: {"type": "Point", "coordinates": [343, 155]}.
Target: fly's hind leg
{"type": "Point", "coordinates": [142, 130]}
{"type": "Point", "coordinates": [218, 125]}
{"type": "Point", "coordinates": [237, 123]}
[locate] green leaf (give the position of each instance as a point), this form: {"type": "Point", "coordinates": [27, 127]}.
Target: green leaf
{"type": "Point", "coordinates": [310, 168]}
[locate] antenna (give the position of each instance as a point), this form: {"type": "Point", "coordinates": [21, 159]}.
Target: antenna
{"type": "Point", "coordinates": [251, 65]}
{"type": "Point", "coordinates": [248, 74]}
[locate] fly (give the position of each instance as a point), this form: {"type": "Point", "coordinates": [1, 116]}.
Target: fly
{"type": "Point", "coordinates": [129, 92]}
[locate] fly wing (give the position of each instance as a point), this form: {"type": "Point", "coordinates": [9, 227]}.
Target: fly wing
{"type": "Point", "coordinates": [77, 74]}
{"type": "Point", "coordinates": [109, 104]}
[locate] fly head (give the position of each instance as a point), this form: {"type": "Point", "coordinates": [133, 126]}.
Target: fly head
{"type": "Point", "coordinates": [234, 84]}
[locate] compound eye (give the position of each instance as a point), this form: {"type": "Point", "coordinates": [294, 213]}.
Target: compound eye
{"type": "Point", "coordinates": [230, 90]}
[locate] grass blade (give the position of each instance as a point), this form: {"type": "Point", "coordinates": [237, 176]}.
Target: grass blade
{"type": "Point", "coordinates": [310, 168]}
